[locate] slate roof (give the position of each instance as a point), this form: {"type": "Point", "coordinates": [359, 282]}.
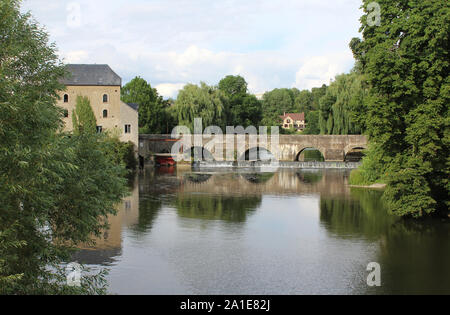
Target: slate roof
{"type": "Point", "coordinates": [133, 106]}
{"type": "Point", "coordinates": [93, 74]}
{"type": "Point", "coordinates": [293, 116]}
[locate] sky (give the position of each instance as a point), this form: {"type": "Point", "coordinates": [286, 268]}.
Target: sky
{"type": "Point", "coordinates": [169, 43]}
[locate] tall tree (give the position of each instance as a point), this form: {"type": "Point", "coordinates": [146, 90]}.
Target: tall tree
{"type": "Point", "coordinates": [405, 58]}
{"type": "Point", "coordinates": [342, 107]}
{"type": "Point", "coordinates": [83, 117]}
{"type": "Point", "coordinates": [202, 101]}
{"type": "Point", "coordinates": [243, 108]}
{"type": "Point", "coordinates": [55, 189]}
{"type": "Point", "coordinates": [153, 110]}
{"type": "Point", "coordinates": [276, 103]}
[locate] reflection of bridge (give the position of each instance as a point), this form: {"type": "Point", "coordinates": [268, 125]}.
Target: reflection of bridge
{"type": "Point", "coordinates": [332, 147]}
{"type": "Point", "coordinates": [323, 182]}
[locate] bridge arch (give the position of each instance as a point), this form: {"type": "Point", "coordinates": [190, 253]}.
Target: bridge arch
{"type": "Point", "coordinates": [319, 156]}
{"type": "Point", "coordinates": [259, 153]}
{"type": "Point", "coordinates": [354, 153]}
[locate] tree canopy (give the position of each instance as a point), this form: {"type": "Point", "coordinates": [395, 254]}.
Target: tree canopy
{"type": "Point", "coordinates": [153, 110]}
{"type": "Point", "coordinates": [405, 60]}
{"type": "Point", "coordinates": [204, 101]}
{"type": "Point", "coordinates": [55, 189]}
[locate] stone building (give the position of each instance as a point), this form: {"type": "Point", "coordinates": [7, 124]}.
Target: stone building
{"type": "Point", "coordinates": [291, 120]}
{"type": "Point", "coordinates": [102, 86]}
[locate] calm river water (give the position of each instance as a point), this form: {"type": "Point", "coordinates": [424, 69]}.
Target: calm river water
{"type": "Point", "coordinates": [289, 232]}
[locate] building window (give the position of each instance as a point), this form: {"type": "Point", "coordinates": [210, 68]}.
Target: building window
{"type": "Point", "coordinates": [105, 98]}
{"type": "Point", "coordinates": [66, 113]}
{"type": "Point", "coordinates": [127, 128]}
{"type": "Point", "coordinates": [99, 129]}
{"type": "Point", "coordinates": [66, 98]}
{"type": "Point", "coordinates": [288, 121]}
{"type": "Point", "coordinates": [105, 113]}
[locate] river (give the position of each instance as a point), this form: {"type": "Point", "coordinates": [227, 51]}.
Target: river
{"type": "Point", "coordinates": [287, 232]}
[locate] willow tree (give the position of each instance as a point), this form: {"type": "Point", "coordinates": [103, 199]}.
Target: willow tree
{"type": "Point", "coordinates": [202, 101]}
{"type": "Point", "coordinates": [342, 104]}
{"type": "Point", "coordinates": [55, 189]}
{"type": "Point", "coordinates": [404, 55]}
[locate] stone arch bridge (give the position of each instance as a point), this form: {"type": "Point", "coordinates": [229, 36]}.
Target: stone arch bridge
{"type": "Point", "coordinates": [289, 147]}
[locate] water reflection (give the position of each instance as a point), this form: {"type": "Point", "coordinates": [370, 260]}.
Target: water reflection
{"type": "Point", "coordinates": [225, 208]}
{"type": "Point", "coordinates": [289, 232]}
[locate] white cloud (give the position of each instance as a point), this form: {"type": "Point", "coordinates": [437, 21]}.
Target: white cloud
{"type": "Point", "coordinates": [319, 70]}
{"type": "Point", "coordinates": [169, 90]}
{"type": "Point", "coordinates": [75, 56]}
{"type": "Point", "coordinates": [271, 43]}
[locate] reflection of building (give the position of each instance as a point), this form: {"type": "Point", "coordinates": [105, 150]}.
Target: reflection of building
{"type": "Point", "coordinates": [102, 86]}
{"type": "Point", "coordinates": [109, 244]}
{"type": "Point", "coordinates": [291, 120]}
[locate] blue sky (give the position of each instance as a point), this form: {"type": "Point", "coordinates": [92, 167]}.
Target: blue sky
{"type": "Point", "coordinates": [271, 43]}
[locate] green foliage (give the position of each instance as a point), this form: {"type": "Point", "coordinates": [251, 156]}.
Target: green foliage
{"type": "Point", "coordinates": [55, 190]}
{"type": "Point", "coordinates": [122, 153]}
{"type": "Point", "coordinates": [243, 109]}
{"type": "Point", "coordinates": [312, 123]}
{"type": "Point", "coordinates": [153, 111]}
{"type": "Point", "coordinates": [202, 101]}
{"type": "Point", "coordinates": [405, 61]}
{"type": "Point", "coordinates": [276, 103]}
{"type": "Point", "coordinates": [83, 117]}
{"type": "Point", "coordinates": [342, 107]}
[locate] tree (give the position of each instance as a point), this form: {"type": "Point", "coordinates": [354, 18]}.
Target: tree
{"type": "Point", "coordinates": [55, 189]}
{"type": "Point", "coordinates": [276, 103]}
{"type": "Point", "coordinates": [83, 117]}
{"type": "Point", "coordinates": [202, 101]}
{"type": "Point", "coordinates": [405, 60]}
{"type": "Point", "coordinates": [153, 110]}
{"type": "Point", "coordinates": [312, 123]}
{"type": "Point", "coordinates": [304, 102]}
{"type": "Point", "coordinates": [342, 107]}
{"type": "Point", "coordinates": [243, 109]}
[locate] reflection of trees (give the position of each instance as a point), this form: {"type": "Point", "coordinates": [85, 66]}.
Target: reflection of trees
{"type": "Point", "coordinates": [258, 178]}
{"type": "Point", "coordinates": [197, 178]}
{"type": "Point", "coordinates": [414, 255]}
{"type": "Point", "coordinates": [417, 255]}
{"type": "Point", "coordinates": [148, 211]}
{"type": "Point", "coordinates": [215, 207]}
{"type": "Point", "coordinates": [309, 177]}
{"type": "Point", "coordinates": [362, 214]}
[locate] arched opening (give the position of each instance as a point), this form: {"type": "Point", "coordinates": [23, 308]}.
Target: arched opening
{"type": "Point", "coordinates": [66, 98]}
{"type": "Point", "coordinates": [257, 154]}
{"type": "Point", "coordinates": [201, 154]}
{"type": "Point", "coordinates": [355, 154]}
{"type": "Point", "coordinates": [105, 98]}
{"type": "Point", "coordinates": [310, 155]}
{"type": "Point", "coordinates": [105, 113]}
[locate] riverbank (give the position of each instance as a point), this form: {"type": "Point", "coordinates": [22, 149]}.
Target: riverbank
{"type": "Point", "coordinates": [373, 186]}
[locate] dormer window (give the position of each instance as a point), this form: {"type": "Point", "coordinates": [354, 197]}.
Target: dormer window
{"type": "Point", "coordinates": [105, 113]}
{"type": "Point", "coordinates": [105, 98]}
{"type": "Point", "coordinates": [66, 98]}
